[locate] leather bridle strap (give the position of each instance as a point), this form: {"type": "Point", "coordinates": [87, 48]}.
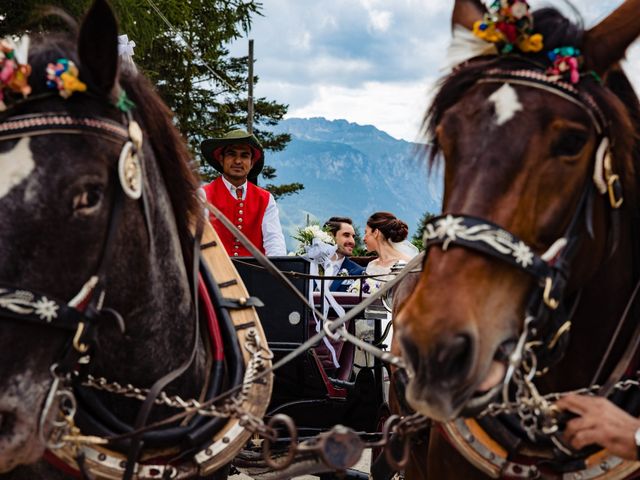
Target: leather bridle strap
{"type": "Point", "coordinates": [48, 123]}
{"type": "Point", "coordinates": [541, 81]}
{"type": "Point", "coordinates": [485, 237]}
{"type": "Point", "coordinates": [34, 307]}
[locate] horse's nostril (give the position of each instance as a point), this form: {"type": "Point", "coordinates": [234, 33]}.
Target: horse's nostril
{"type": "Point", "coordinates": [7, 421]}
{"type": "Point", "coordinates": [453, 359]}
{"type": "Point", "coordinates": [410, 352]}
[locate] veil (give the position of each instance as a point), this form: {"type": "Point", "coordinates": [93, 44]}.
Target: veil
{"type": "Point", "coordinates": [406, 248]}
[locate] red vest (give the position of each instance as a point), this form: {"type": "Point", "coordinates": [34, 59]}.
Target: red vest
{"type": "Point", "coordinates": [246, 214]}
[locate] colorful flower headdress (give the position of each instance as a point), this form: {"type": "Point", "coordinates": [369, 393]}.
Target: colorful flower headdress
{"type": "Point", "coordinates": [509, 24]}
{"type": "Point", "coordinates": [63, 75]}
{"type": "Point", "coordinates": [15, 71]}
{"type": "Point", "coordinates": [14, 75]}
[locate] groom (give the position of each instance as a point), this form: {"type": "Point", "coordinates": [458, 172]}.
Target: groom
{"type": "Point", "coordinates": [342, 230]}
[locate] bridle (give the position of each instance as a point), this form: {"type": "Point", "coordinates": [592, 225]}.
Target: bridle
{"type": "Point", "coordinates": [550, 270]}
{"type": "Point", "coordinates": [81, 314]}
{"type": "Point", "coordinates": [544, 338]}
{"type": "Point", "coordinates": [85, 311]}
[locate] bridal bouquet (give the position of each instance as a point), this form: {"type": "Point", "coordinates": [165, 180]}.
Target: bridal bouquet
{"type": "Point", "coordinates": [317, 247]}
{"type": "Point", "coordinates": [315, 243]}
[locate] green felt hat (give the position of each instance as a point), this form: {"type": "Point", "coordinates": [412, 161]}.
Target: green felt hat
{"type": "Point", "coordinates": [213, 148]}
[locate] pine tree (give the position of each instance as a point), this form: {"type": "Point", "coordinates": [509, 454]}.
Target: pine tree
{"type": "Point", "coordinates": [181, 47]}
{"type": "Point", "coordinates": [416, 239]}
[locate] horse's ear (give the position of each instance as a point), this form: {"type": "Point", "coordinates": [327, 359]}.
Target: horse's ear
{"type": "Point", "coordinates": [98, 47]}
{"type": "Point", "coordinates": [466, 13]}
{"type": "Point", "coordinates": [605, 44]}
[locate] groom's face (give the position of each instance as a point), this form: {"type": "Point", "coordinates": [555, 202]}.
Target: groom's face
{"type": "Point", "coordinates": [345, 239]}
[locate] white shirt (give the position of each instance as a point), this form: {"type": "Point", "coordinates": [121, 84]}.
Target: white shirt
{"type": "Point", "coordinates": [332, 267]}
{"type": "Point", "coordinates": [272, 236]}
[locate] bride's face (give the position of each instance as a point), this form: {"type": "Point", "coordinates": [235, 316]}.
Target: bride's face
{"type": "Point", "coordinates": [371, 239]}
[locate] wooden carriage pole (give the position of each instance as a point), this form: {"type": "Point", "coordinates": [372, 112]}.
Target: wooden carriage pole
{"type": "Point", "coordinates": [250, 106]}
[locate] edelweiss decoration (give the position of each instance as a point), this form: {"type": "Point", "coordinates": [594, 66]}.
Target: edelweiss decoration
{"type": "Point", "coordinates": [451, 228]}
{"type": "Point", "coordinates": [509, 24]}
{"type": "Point", "coordinates": [13, 74]}
{"type": "Point", "coordinates": [25, 303]}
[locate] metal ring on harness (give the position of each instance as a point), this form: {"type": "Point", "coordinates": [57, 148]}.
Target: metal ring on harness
{"type": "Point", "coordinates": [387, 433]}
{"type": "Point", "coordinates": [287, 422]}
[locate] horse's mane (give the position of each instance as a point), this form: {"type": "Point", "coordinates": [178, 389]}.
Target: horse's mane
{"type": "Point", "coordinates": [618, 101]}
{"type": "Point", "coordinates": [170, 148]}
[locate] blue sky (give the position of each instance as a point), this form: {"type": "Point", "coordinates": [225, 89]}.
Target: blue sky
{"type": "Point", "coordinates": [367, 61]}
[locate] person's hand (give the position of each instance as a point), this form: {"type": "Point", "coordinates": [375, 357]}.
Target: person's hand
{"type": "Point", "coordinates": [600, 422]}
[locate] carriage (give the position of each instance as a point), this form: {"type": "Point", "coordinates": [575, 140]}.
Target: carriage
{"type": "Point", "coordinates": [311, 389]}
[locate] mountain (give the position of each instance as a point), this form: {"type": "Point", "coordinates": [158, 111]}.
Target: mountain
{"type": "Point", "coordinates": [351, 170]}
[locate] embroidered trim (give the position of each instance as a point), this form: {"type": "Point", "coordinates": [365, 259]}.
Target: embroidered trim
{"type": "Point", "coordinates": [26, 303]}
{"type": "Point", "coordinates": [451, 228]}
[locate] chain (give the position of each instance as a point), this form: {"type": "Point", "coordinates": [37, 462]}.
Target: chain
{"type": "Point", "coordinates": [231, 407]}
{"type": "Point", "coordinates": [494, 409]}
{"type": "Point", "coordinates": [537, 413]}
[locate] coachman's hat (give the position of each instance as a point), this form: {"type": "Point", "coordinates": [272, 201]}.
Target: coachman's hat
{"type": "Point", "coordinates": [213, 148]}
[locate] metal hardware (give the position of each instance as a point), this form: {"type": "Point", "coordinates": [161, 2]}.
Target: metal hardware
{"type": "Point", "coordinates": [566, 326]}
{"type": "Point", "coordinates": [613, 184]}
{"type": "Point", "coordinates": [80, 347]}
{"type": "Point", "coordinates": [552, 303]}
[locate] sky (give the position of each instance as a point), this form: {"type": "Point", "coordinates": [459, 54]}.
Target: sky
{"type": "Point", "coordinates": [367, 61]}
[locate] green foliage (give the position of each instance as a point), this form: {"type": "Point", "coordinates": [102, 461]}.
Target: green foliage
{"type": "Point", "coordinates": [359, 250]}
{"type": "Point", "coordinates": [416, 239]}
{"type": "Point", "coordinates": [189, 64]}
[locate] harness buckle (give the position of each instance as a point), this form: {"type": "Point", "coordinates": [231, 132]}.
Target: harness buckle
{"type": "Point", "coordinates": [615, 191]}
{"type": "Point", "coordinates": [549, 301]}
{"type": "Point", "coordinates": [566, 326]}
{"type": "Point", "coordinates": [77, 343]}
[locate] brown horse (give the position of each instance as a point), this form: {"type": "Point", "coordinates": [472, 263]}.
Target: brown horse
{"type": "Point", "coordinates": [533, 262]}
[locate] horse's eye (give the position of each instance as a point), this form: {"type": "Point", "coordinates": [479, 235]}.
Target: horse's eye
{"type": "Point", "coordinates": [569, 144]}
{"type": "Point", "coordinates": [87, 201]}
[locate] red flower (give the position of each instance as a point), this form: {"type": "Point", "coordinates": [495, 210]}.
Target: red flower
{"type": "Point", "coordinates": [508, 30]}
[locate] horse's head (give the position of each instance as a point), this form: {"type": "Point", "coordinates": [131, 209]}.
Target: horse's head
{"type": "Point", "coordinates": [67, 222]}
{"type": "Point", "coordinates": [520, 150]}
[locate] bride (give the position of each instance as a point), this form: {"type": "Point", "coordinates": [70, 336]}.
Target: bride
{"type": "Point", "coordinates": [386, 235]}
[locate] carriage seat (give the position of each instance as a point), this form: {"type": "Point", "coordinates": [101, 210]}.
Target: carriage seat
{"type": "Point", "coordinates": [345, 351]}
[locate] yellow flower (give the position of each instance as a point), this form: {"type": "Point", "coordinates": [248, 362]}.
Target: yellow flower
{"type": "Point", "coordinates": [488, 34]}
{"type": "Point", "coordinates": [532, 43]}
{"type": "Point", "coordinates": [71, 83]}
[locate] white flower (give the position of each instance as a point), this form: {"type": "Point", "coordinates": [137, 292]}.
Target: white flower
{"type": "Point", "coordinates": [308, 235]}
{"type": "Point", "coordinates": [523, 254]}
{"type": "Point", "coordinates": [46, 309]}
{"type": "Point", "coordinates": [343, 272]}
{"type": "Point", "coordinates": [519, 10]}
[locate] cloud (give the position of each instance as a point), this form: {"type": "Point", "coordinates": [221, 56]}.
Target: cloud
{"type": "Point", "coordinates": [365, 60]}
{"type": "Point", "coordinates": [396, 108]}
